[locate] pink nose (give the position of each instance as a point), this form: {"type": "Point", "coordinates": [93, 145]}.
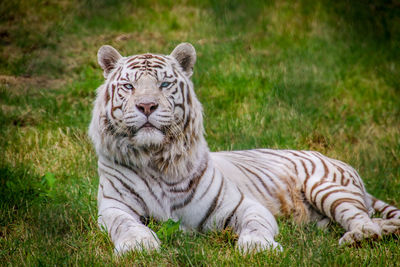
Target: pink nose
{"type": "Point", "coordinates": [147, 108]}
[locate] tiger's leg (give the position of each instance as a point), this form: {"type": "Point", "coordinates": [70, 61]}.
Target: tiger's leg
{"type": "Point", "coordinates": [255, 225]}
{"type": "Point", "coordinates": [390, 221]}
{"type": "Point", "coordinates": [345, 205]}
{"type": "Point", "coordinates": [121, 219]}
{"type": "Point", "coordinates": [387, 211]}
{"type": "Point", "coordinates": [126, 232]}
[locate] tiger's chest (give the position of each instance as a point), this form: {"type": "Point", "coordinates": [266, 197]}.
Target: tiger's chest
{"type": "Point", "coordinates": [168, 201]}
{"type": "Point", "coordinates": [186, 201]}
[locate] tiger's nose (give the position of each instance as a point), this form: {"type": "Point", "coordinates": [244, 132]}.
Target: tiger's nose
{"type": "Point", "coordinates": [147, 108]}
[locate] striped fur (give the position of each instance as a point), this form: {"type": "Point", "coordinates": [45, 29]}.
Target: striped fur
{"type": "Point", "coordinates": [153, 160]}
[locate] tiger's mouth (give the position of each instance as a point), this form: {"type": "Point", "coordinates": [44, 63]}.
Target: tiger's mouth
{"type": "Point", "coordinates": [147, 135]}
{"type": "Point", "coordinates": [150, 128]}
{"type": "Point", "coordinates": [147, 126]}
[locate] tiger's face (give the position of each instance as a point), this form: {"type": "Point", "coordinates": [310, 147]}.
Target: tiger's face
{"type": "Point", "coordinates": [147, 95]}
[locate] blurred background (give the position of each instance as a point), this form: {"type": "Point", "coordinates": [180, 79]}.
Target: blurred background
{"type": "Point", "coordinates": [315, 75]}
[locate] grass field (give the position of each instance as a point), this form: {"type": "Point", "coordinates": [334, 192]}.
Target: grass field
{"type": "Point", "coordinates": [320, 75]}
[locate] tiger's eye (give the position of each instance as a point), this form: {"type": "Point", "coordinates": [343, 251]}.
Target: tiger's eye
{"type": "Point", "coordinates": [165, 84]}
{"type": "Point", "coordinates": [128, 86]}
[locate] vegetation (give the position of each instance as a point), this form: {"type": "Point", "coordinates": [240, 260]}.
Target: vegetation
{"type": "Point", "coordinates": [321, 75]}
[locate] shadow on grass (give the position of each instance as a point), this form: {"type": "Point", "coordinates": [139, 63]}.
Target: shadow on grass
{"type": "Point", "coordinates": [20, 187]}
{"type": "Point", "coordinates": [37, 215]}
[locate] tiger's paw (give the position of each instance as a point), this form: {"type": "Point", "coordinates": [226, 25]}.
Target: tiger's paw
{"type": "Point", "coordinates": [388, 226]}
{"type": "Point", "coordinates": [367, 231]}
{"type": "Point", "coordinates": [138, 242]}
{"type": "Point", "coordinates": [249, 243]}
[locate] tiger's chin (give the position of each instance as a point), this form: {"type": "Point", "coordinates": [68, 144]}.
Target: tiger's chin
{"type": "Point", "coordinates": [149, 136]}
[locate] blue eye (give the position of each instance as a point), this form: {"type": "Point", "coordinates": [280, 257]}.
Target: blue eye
{"type": "Point", "coordinates": [128, 86]}
{"type": "Point", "coordinates": [165, 84]}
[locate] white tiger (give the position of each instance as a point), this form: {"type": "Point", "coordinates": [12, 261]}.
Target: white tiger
{"type": "Point", "coordinates": [153, 160]}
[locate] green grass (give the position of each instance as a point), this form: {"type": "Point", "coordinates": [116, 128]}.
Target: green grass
{"type": "Point", "coordinates": [322, 75]}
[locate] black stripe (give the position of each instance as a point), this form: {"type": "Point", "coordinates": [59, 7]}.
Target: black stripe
{"type": "Point", "coordinates": [159, 63]}
{"type": "Point", "coordinates": [133, 64]}
{"type": "Point", "coordinates": [340, 201]}
{"type": "Point", "coordinates": [229, 218]}
{"type": "Point", "coordinates": [155, 66]}
{"type": "Point", "coordinates": [174, 92]}
{"type": "Point", "coordinates": [252, 182]}
{"type": "Point", "coordinates": [119, 201]}
{"type": "Point", "coordinates": [131, 59]}
{"type": "Point", "coordinates": [382, 210]}
{"type": "Point", "coordinates": [130, 189]}
{"type": "Point", "coordinates": [313, 199]}
{"type": "Point", "coordinates": [326, 169]}
{"type": "Point", "coordinates": [389, 216]}
{"type": "Point", "coordinates": [159, 58]}
{"type": "Point", "coordinates": [112, 100]}
{"type": "Point", "coordinates": [347, 182]}
{"type": "Point", "coordinates": [117, 72]}
{"type": "Point", "coordinates": [268, 226]}
{"type": "Point", "coordinates": [188, 97]}
{"type": "Point", "coordinates": [280, 156]}
{"type": "Point", "coordinates": [340, 190]}
{"type": "Point", "coordinates": [113, 222]}
{"type": "Point", "coordinates": [144, 181]}
{"type": "Point", "coordinates": [115, 188]}
{"type": "Point", "coordinates": [258, 177]}
{"type": "Point", "coordinates": [209, 185]}
{"type": "Point", "coordinates": [353, 217]}
{"type": "Point", "coordinates": [117, 208]}
{"type": "Point", "coordinates": [313, 188]}
{"type": "Point", "coordinates": [212, 207]}
{"type": "Point", "coordinates": [374, 200]}
{"type": "Point", "coordinates": [313, 166]}
{"type": "Point", "coordinates": [306, 154]}
{"type": "Point", "coordinates": [193, 184]}
{"type": "Point", "coordinates": [306, 172]}
{"type": "Point", "coordinates": [354, 182]}
{"type": "Point", "coordinates": [268, 175]}
{"type": "Point", "coordinates": [285, 178]}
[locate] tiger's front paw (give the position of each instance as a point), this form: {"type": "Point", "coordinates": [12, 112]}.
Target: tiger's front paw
{"type": "Point", "coordinates": [138, 241]}
{"type": "Point", "coordinates": [257, 242]}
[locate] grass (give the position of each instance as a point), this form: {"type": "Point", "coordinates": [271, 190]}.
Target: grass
{"type": "Point", "coordinates": [322, 75]}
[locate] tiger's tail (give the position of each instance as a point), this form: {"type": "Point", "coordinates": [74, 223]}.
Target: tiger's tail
{"type": "Point", "coordinates": [386, 211]}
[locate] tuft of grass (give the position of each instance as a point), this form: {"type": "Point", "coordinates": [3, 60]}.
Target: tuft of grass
{"type": "Point", "coordinates": [321, 75]}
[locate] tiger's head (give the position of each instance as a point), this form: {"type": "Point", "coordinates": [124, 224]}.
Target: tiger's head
{"type": "Point", "coordinates": [147, 103]}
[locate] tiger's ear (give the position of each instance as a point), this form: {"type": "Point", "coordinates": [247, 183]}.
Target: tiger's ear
{"type": "Point", "coordinates": [107, 57]}
{"type": "Point", "coordinates": [185, 54]}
